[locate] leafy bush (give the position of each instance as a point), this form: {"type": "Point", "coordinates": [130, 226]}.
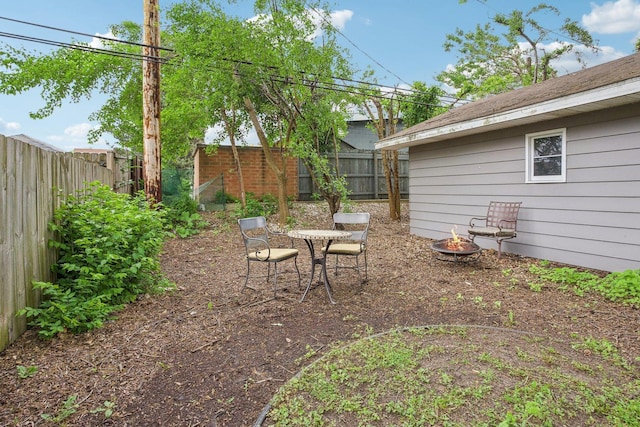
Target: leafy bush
{"type": "Point", "coordinates": [266, 206]}
{"type": "Point", "coordinates": [182, 217]}
{"type": "Point", "coordinates": [108, 246]}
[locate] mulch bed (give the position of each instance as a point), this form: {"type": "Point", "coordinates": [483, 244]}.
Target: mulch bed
{"type": "Point", "coordinates": [207, 354]}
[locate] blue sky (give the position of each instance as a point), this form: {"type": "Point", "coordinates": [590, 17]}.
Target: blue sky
{"type": "Point", "coordinates": [401, 40]}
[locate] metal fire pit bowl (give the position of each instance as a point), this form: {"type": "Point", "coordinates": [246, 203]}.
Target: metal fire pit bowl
{"type": "Point", "coordinates": [468, 251]}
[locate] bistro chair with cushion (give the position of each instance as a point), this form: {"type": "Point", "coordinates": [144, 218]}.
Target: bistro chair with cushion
{"type": "Point", "coordinates": [500, 223]}
{"type": "Point", "coordinates": [358, 225]}
{"type": "Point", "coordinates": [260, 247]}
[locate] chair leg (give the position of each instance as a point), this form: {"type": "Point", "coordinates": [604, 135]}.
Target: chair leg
{"type": "Point", "coordinates": [246, 280]}
{"type": "Point", "coordinates": [366, 267]}
{"type": "Point", "coordinates": [275, 278]}
{"type": "Point", "coordinates": [499, 248]}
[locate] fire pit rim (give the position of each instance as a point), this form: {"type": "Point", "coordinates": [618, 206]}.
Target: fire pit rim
{"type": "Point", "coordinates": [443, 249]}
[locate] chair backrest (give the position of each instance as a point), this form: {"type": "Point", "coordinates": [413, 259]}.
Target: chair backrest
{"type": "Point", "coordinates": [355, 222]}
{"type": "Point", "coordinates": [503, 214]}
{"type": "Point", "coordinates": [254, 231]}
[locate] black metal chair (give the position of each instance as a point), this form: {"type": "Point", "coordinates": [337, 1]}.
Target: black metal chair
{"type": "Point", "coordinates": [256, 236]}
{"type": "Point", "coordinates": [500, 223]}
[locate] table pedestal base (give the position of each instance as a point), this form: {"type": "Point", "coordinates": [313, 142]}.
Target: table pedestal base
{"type": "Point", "coordinates": [322, 260]}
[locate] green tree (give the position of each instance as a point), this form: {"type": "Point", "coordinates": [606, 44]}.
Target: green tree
{"type": "Point", "coordinates": [522, 55]}
{"type": "Point", "coordinates": [384, 111]}
{"type": "Point", "coordinates": [284, 91]}
{"type": "Point", "coordinates": [272, 72]}
{"type": "Point", "coordinates": [421, 103]}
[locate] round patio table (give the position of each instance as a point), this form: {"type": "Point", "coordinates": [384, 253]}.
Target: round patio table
{"type": "Point", "coordinates": [309, 237]}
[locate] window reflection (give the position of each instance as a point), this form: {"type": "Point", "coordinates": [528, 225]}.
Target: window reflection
{"type": "Point", "coordinates": [547, 155]}
{"type": "Point", "coordinates": [548, 146]}
{"type": "Point", "coordinates": [547, 166]}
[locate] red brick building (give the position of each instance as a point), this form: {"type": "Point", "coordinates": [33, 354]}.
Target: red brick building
{"type": "Point", "coordinates": [259, 179]}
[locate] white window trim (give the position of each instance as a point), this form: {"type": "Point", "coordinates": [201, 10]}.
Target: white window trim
{"type": "Point", "coordinates": [529, 178]}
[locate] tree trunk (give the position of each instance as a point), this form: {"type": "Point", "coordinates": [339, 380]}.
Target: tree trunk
{"type": "Point", "coordinates": [387, 127]}
{"type": "Point", "coordinates": [151, 169]}
{"type": "Point", "coordinates": [279, 171]}
{"type": "Point", "coordinates": [394, 204]}
{"type": "Point", "coordinates": [229, 126]}
{"type": "Point", "coordinates": [390, 163]}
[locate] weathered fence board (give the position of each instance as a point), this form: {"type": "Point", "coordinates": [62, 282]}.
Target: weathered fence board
{"type": "Point", "coordinates": [33, 183]}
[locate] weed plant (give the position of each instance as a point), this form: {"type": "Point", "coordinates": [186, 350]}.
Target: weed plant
{"type": "Point", "coordinates": [108, 253]}
{"type": "Point", "coordinates": [459, 376]}
{"type": "Point", "coordinates": [622, 287]}
{"type": "Point", "coordinates": [265, 206]}
{"type": "Point", "coordinates": [182, 217]}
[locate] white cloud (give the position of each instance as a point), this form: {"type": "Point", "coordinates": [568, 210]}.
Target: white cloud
{"type": "Point", "coordinates": [9, 127]}
{"type": "Point", "coordinates": [569, 64]}
{"type": "Point", "coordinates": [78, 131]}
{"type": "Point", "coordinates": [75, 136]}
{"type": "Point", "coordinates": [339, 18]}
{"type": "Point", "coordinates": [98, 43]}
{"type": "Point", "coordinates": [613, 17]}
{"type": "Point", "coordinates": [217, 132]}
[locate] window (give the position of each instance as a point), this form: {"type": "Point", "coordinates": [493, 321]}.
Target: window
{"type": "Point", "coordinates": [546, 156]}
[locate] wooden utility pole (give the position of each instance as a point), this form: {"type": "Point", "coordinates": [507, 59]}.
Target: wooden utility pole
{"type": "Point", "coordinates": [151, 168]}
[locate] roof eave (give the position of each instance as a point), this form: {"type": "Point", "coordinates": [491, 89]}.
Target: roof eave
{"type": "Point", "coordinates": [621, 93]}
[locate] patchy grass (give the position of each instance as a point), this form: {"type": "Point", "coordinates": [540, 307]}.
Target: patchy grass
{"type": "Point", "coordinates": [461, 376]}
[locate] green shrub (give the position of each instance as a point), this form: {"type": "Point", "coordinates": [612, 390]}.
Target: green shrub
{"type": "Point", "coordinates": [108, 245]}
{"type": "Point", "coordinates": [266, 206]}
{"type": "Point", "coordinates": [182, 217]}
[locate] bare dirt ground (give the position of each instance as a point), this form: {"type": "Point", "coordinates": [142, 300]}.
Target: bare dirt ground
{"type": "Point", "coordinates": [208, 355]}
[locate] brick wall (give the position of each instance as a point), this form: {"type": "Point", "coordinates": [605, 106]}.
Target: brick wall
{"type": "Point", "coordinates": [258, 177]}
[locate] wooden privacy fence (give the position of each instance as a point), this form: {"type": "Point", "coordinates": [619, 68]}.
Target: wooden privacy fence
{"type": "Point", "coordinates": [33, 183]}
{"type": "Point", "coordinates": [364, 173]}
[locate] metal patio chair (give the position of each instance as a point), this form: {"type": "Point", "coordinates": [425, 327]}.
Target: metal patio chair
{"type": "Point", "coordinates": [500, 223]}
{"type": "Point", "coordinates": [358, 224]}
{"type": "Point", "coordinates": [259, 247]}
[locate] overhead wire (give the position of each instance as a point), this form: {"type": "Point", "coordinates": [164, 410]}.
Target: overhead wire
{"type": "Point", "coordinates": [85, 48]}
{"type": "Point", "coordinates": [345, 88]}
{"type": "Point", "coordinates": [324, 18]}
{"type": "Point", "coordinates": [97, 36]}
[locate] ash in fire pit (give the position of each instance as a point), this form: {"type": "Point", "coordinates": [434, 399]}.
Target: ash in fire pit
{"type": "Point", "coordinates": [456, 248]}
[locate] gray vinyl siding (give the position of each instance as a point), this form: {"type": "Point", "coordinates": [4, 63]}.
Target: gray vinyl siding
{"type": "Point", "coordinates": [592, 220]}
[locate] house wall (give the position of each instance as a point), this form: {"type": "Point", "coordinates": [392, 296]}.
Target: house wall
{"type": "Point", "coordinates": [360, 137]}
{"type": "Point", "coordinates": [591, 220]}
{"type": "Point", "coordinates": [259, 179]}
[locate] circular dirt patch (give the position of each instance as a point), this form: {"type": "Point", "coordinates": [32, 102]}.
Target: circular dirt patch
{"type": "Point", "coordinates": [460, 375]}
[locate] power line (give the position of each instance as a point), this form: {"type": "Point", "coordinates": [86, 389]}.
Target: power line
{"type": "Point", "coordinates": [61, 44]}
{"type": "Point", "coordinates": [345, 88]}
{"type": "Point", "coordinates": [81, 34]}
{"type": "Point", "coordinates": [324, 18]}
{"type": "Point", "coordinates": [84, 48]}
